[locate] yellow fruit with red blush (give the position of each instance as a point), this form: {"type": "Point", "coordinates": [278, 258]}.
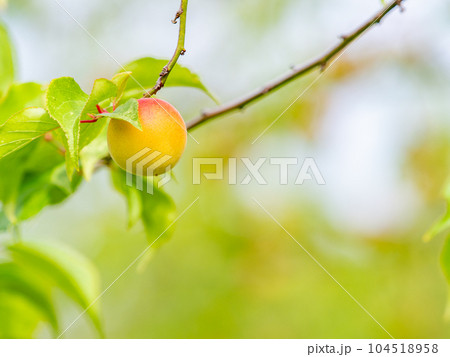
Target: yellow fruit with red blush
{"type": "Point", "coordinates": [157, 147]}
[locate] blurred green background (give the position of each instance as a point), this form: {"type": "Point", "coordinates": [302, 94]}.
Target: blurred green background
{"type": "Point", "coordinates": [377, 124]}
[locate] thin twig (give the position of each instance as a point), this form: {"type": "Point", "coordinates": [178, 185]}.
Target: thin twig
{"type": "Point", "coordinates": [179, 51]}
{"type": "Point", "coordinates": [296, 71]}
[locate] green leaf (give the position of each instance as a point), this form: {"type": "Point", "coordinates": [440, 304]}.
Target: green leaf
{"type": "Point", "coordinates": [156, 210]}
{"type": "Point", "coordinates": [20, 318]}
{"type": "Point", "coordinates": [44, 156]}
{"type": "Point", "coordinates": [145, 73]}
{"type": "Point", "coordinates": [132, 195]}
{"type": "Point", "coordinates": [158, 213]}
{"type": "Point", "coordinates": [4, 223]}
{"type": "Point", "coordinates": [445, 263]}
{"type": "Point", "coordinates": [32, 178]}
{"type": "Point", "coordinates": [445, 259]}
{"type": "Point", "coordinates": [59, 178]}
{"type": "Point", "coordinates": [38, 190]}
{"type": "Point", "coordinates": [24, 127]}
{"type": "Point", "coordinates": [6, 61]}
{"type": "Point", "coordinates": [11, 173]}
{"type": "Point", "coordinates": [65, 102]}
{"type": "Point", "coordinates": [92, 153]}
{"type": "Point", "coordinates": [59, 137]}
{"type": "Point", "coordinates": [65, 269]}
{"type": "Point", "coordinates": [19, 97]}
{"type": "Point", "coordinates": [19, 281]}
{"type": "Point", "coordinates": [120, 80]}
{"type": "Point", "coordinates": [442, 224]}
{"type": "Point", "coordinates": [128, 112]}
{"type": "Point", "coordinates": [103, 90]}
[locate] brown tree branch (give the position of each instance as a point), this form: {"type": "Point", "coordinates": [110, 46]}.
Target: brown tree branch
{"type": "Point", "coordinates": [296, 71]}
{"type": "Point", "coordinates": [179, 51]}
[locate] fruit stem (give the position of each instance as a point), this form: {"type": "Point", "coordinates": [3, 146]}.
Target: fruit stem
{"type": "Point", "coordinates": [100, 109]}
{"type": "Point", "coordinates": [95, 118]}
{"type": "Point", "coordinates": [88, 121]}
